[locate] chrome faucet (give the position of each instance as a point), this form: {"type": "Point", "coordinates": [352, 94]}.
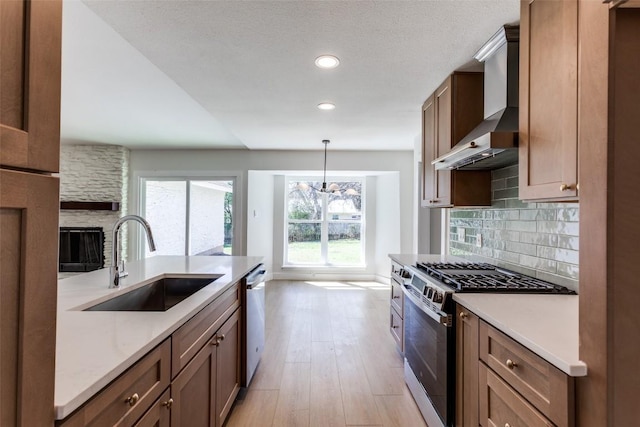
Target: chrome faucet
{"type": "Point", "coordinates": [116, 271]}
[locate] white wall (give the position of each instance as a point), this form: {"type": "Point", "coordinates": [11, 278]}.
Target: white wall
{"type": "Point", "coordinates": [260, 216]}
{"type": "Point", "coordinates": [240, 162]}
{"type": "Point", "coordinates": [387, 213]}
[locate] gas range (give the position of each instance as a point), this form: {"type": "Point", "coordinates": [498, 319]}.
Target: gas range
{"type": "Point", "coordinates": [481, 277]}
{"type": "Point", "coordinates": [434, 283]}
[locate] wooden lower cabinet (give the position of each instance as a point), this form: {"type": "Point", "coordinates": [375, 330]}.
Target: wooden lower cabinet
{"type": "Point", "coordinates": [499, 382]}
{"type": "Point", "coordinates": [159, 415]}
{"type": "Point", "coordinates": [200, 395]}
{"type": "Point", "coordinates": [227, 367]}
{"type": "Point", "coordinates": [500, 405]}
{"type": "Point", "coordinates": [396, 310]}
{"type": "Point", "coordinates": [467, 355]}
{"type": "Point", "coordinates": [194, 390]}
{"type": "Point", "coordinates": [204, 392]}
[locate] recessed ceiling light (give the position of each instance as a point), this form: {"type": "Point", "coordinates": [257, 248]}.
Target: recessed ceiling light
{"type": "Point", "coordinates": [326, 106]}
{"type": "Point", "coordinates": [327, 61]}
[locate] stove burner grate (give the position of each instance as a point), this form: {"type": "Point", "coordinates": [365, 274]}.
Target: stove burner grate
{"type": "Point", "coordinates": [482, 277]}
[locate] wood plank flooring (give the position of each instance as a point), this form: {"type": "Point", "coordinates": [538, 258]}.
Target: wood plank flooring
{"type": "Point", "coordinates": [329, 360]}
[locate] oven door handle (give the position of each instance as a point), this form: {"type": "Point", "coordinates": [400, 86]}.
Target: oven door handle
{"type": "Point", "coordinates": [440, 317]}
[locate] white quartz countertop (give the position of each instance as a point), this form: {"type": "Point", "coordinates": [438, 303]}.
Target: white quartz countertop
{"type": "Point", "coordinates": [545, 324]}
{"type": "Point", "coordinates": [94, 347]}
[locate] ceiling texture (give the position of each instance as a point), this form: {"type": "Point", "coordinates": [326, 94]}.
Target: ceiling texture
{"type": "Point", "coordinates": [241, 74]}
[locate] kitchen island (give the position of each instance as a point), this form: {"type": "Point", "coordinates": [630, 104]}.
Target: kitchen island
{"type": "Point", "coordinates": [94, 347]}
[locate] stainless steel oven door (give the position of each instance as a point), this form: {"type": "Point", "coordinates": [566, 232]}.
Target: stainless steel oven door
{"type": "Point", "coordinates": [430, 353]}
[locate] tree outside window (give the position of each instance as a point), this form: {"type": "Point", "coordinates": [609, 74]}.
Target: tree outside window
{"type": "Point", "coordinates": [324, 228]}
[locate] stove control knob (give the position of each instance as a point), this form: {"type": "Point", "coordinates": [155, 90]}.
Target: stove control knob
{"type": "Point", "coordinates": [437, 297]}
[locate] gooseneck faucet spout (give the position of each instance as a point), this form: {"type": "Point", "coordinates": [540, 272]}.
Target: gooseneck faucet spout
{"type": "Point", "coordinates": [116, 271]}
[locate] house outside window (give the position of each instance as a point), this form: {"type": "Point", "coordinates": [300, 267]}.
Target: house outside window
{"type": "Point", "coordinates": [324, 229]}
{"type": "Point", "coordinates": [188, 216]}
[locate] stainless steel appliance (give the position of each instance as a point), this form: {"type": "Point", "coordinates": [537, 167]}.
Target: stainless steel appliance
{"type": "Point", "coordinates": [494, 142]}
{"type": "Point", "coordinates": [255, 320]}
{"type": "Point", "coordinates": [429, 333]}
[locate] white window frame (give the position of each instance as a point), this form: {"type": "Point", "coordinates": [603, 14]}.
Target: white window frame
{"type": "Point", "coordinates": [142, 190]}
{"type": "Point", "coordinates": [324, 222]}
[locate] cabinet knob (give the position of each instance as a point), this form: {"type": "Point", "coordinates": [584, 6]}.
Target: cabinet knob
{"type": "Point", "coordinates": [463, 315]}
{"type": "Point", "coordinates": [215, 342]}
{"type": "Point", "coordinates": [507, 425]}
{"type": "Point", "coordinates": [395, 297]}
{"type": "Point", "coordinates": [566, 187]}
{"type": "Point", "coordinates": [221, 337]}
{"type": "Point", "coordinates": [511, 364]}
{"type": "Point", "coordinates": [168, 403]}
{"type": "Point", "coordinates": [133, 399]}
{"type": "Point", "coordinates": [395, 326]}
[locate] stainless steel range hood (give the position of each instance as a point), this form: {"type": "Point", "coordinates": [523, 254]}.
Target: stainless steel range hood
{"type": "Point", "coordinates": [494, 142]}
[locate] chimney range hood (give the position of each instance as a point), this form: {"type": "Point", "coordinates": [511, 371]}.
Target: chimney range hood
{"type": "Point", "coordinates": [494, 142]}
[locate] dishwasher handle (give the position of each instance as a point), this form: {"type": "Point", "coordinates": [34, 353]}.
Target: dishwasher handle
{"type": "Point", "coordinates": [256, 276]}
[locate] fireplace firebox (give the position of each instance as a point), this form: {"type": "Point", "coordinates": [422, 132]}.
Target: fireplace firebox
{"type": "Point", "coordinates": [81, 249]}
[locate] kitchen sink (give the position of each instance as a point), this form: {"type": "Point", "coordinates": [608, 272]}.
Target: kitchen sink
{"type": "Point", "coordinates": [159, 295]}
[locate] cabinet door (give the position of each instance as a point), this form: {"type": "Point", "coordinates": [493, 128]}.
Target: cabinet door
{"type": "Point", "coordinates": [194, 390]}
{"type": "Point", "coordinates": [467, 368]}
{"type": "Point", "coordinates": [429, 175]}
{"type": "Point", "coordinates": [443, 107]}
{"type": "Point", "coordinates": [159, 415]}
{"type": "Point", "coordinates": [548, 99]}
{"type": "Point", "coordinates": [228, 367]}
{"type": "Point", "coordinates": [28, 292]}
{"type": "Point", "coordinates": [30, 37]}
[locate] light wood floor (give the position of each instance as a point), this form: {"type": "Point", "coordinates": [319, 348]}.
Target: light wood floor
{"type": "Point", "coordinates": [329, 360]}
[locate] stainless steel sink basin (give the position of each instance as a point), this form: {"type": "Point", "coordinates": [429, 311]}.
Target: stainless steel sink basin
{"type": "Point", "coordinates": [159, 295]}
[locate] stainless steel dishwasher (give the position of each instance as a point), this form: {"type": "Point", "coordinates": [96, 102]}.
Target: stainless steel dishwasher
{"type": "Point", "coordinates": [255, 320]}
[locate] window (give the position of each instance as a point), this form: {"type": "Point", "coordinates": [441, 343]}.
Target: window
{"type": "Point", "coordinates": [188, 216]}
{"type": "Point", "coordinates": [324, 228]}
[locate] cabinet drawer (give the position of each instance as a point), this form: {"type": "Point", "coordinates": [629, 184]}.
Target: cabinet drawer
{"type": "Point", "coordinates": [397, 328]}
{"type": "Point", "coordinates": [546, 387]}
{"type": "Point", "coordinates": [127, 398]}
{"type": "Point", "coordinates": [194, 334]}
{"type": "Point", "coordinates": [500, 405]}
{"type": "Point", "coordinates": [397, 300]}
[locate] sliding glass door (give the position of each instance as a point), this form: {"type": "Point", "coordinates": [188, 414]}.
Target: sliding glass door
{"type": "Point", "coordinates": [188, 216]}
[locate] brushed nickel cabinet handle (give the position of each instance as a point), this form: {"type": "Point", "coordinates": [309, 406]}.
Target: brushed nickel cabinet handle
{"type": "Point", "coordinates": [133, 399]}
{"type": "Point", "coordinates": [463, 315]}
{"type": "Point", "coordinates": [507, 425]}
{"type": "Point", "coordinates": [222, 337]}
{"type": "Point", "coordinates": [167, 404]}
{"type": "Point", "coordinates": [566, 187]}
{"type": "Point", "coordinates": [511, 364]}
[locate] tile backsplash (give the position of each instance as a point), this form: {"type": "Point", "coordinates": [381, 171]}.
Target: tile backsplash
{"type": "Point", "coordinates": [538, 239]}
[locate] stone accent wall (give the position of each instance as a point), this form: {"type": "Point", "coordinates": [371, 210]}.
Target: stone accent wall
{"type": "Point", "coordinates": [538, 239]}
{"type": "Point", "coordinates": [95, 173]}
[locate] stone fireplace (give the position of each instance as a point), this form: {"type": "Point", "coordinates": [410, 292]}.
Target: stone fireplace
{"type": "Point", "coordinates": [95, 173]}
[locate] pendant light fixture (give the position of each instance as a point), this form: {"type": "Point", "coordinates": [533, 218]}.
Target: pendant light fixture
{"type": "Point", "coordinates": [324, 175]}
{"type": "Point", "coordinates": [333, 188]}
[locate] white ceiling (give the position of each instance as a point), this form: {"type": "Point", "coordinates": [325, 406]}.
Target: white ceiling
{"type": "Point", "coordinates": [235, 74]}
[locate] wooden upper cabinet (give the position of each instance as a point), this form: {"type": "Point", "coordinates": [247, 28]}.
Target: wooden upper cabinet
{"type": "Point", "coordinates": [429, 175]}
{"type": "Point", "coordinates": [548, 100]}
{"type": "Point", "coordinates": [30, 46]}
{"type": "Point", "coordinates": [454, 109]}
